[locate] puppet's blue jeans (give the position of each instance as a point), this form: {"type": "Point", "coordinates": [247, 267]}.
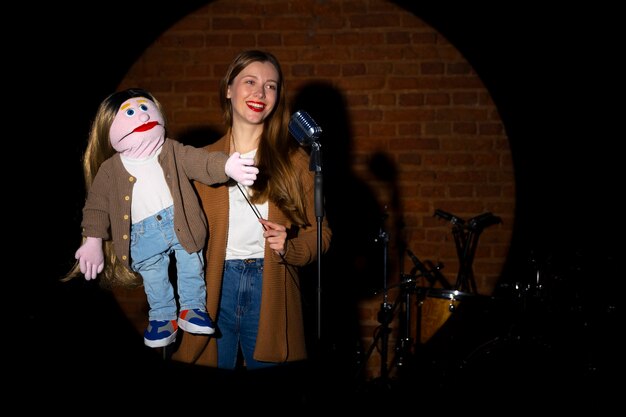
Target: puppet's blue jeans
{"type": "Point", "coordinates": [152, 242]}
{"type": "Point", "coordinates": [238, 316]}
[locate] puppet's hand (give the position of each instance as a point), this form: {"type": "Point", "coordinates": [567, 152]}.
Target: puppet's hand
{"type": "Point", "coordinates": [241, 170]}
{"type": "Point", "coordinates": [91, 257]}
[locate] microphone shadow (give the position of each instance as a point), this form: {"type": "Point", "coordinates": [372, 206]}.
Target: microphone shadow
{"type": "Point", "coordinates": [352, 269]}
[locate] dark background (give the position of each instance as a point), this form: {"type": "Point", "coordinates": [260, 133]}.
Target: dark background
{"type": "Point", "coordinates": [554, 74]}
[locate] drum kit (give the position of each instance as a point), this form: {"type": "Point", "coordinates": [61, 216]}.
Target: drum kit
{"type": "Point", "coordinates": [436, 301]}
{"type": "Point", "coordinates": [547, 328]}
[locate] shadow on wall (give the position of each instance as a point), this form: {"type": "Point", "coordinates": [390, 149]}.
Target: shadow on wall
{"type": "Point", "coordinates": [352, 269]}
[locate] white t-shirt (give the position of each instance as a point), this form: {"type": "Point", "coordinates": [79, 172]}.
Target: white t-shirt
{"type": "Point", "coordinates": [245, 233]}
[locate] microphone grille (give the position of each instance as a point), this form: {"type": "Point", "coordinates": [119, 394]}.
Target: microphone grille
{"type": "Point", "coordinates": [303, 127]}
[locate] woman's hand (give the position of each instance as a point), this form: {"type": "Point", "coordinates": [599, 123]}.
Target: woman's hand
{"type": "Point", "coordinates": [276, 236]}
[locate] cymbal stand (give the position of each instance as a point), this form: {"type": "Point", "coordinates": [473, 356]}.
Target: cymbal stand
{"type": "Point", "coordinates": [385, 316]}
{"type": "Point", "coordinates": [403, 348]}
{"type": "Point", "coordinates": [465, 242]}
{"type": "Point", "coordinates": [466, 236]}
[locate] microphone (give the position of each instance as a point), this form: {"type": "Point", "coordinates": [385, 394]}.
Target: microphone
{"type": "Point", "coordinates": [303, 128]}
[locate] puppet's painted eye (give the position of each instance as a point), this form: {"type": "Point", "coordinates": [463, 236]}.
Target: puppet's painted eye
{"type": "Point", "coordinates": [143, 107]}
{"type": "Point", "coordinates": [130, 112]}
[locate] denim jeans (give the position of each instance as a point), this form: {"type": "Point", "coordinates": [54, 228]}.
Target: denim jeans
{"type": "Point", "coordinates": [152, 242]}
{"type": "Point", "coordinates": [238, 316]}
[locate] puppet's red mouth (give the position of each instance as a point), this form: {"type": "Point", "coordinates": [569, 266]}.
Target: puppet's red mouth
{"type": "Point", "coordinates": [145, 126]}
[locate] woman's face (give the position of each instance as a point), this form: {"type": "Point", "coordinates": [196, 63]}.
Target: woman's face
{"type": "Point", "coordinates": [253, 93]}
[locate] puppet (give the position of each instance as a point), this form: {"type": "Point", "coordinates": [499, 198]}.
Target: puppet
{"type": "Point", "coordinates": [141, 208]}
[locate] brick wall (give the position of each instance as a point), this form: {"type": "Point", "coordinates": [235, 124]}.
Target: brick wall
{"type": "Point", "coordinates": [408, 128]}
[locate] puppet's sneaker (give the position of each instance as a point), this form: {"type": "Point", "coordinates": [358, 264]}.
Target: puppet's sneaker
{"type": "Point", "coordinates": [160, 333]}
{"type": "Point", "coordinates": [196, 321]}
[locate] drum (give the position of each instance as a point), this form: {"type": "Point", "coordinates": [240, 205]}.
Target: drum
{"type": "Point", "coordinates": [435, 306]}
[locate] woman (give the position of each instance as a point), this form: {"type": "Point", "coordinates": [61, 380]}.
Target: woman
{"type": "Point", "coordinates": [259, 236]}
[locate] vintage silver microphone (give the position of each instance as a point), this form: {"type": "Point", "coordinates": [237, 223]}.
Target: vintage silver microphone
{"type": "Point", "coordinates": [303, 128]}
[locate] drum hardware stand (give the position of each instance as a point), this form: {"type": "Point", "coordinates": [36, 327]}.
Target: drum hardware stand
{"type": "Point", "coordinates": [403, 350]}
{"type": "Point", "coordinates": [431, 277]}
{"type": "Point", "coordinates": [466, 236]}
{"type": "Point", "coordinates": [385, 316]}
{"type": "Point", "coordinates": [405, 342]}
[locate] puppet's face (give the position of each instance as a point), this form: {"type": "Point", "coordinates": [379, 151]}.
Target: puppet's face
{"type": "Point", "coordinates": [138, 129]}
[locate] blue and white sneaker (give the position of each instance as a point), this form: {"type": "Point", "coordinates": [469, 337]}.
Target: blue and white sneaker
{"type": "Point", "coordinates": [196, 321]}
{"type": "Point", "coordinates": [160, 333]}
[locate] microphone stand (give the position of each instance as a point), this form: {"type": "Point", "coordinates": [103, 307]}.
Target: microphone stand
{"type": "Point", "coordinates": [315, 164]}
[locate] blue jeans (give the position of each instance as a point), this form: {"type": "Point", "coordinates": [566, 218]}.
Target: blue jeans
{"type": "Point", "coordinates": [238, 316]}
{"type": "Point", "coordinates": [152, 242]}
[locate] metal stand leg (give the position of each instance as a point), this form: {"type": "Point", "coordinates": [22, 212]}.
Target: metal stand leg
{"type": "Point", "coordinates": [466, 236]}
